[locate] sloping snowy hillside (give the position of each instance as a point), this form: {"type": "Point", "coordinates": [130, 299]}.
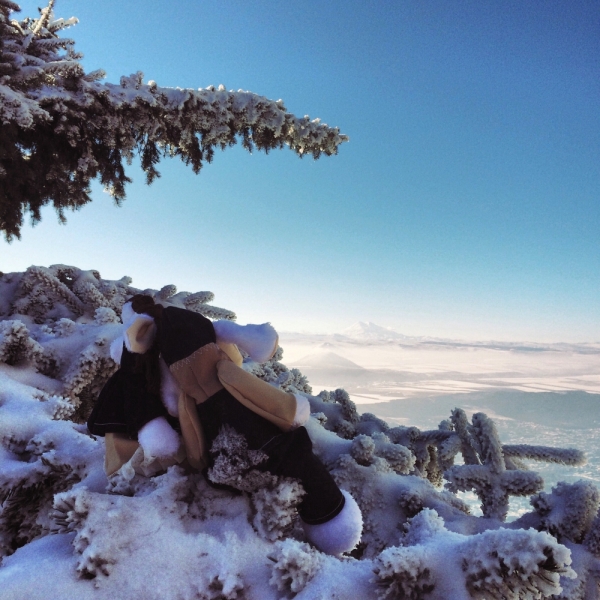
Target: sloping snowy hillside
{"type": "Point", "coordinates": [66, 531]}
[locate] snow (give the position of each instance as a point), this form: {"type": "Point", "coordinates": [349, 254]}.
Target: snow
{"type": "Point", "coordinates": [149, 532]}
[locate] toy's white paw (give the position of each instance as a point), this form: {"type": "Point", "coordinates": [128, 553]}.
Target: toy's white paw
{"type": "Point", "coordinates": [342, 533]}
{"type": "Point", "coordinates": [258, 341]}
{"type": "Point", "coordinates": [158, 439]}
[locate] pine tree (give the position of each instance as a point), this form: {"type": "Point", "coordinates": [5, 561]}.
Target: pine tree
{"type": "Point", "coordinates": [61, 128]}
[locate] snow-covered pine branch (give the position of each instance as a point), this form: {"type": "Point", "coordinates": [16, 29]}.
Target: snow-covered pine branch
{"type": "Point", "coordinates": [562, 456]}
{"type": "Point", "coordinates": [494, 565]}
{"type": "Point", "coordinates": [63, 127]}
{"type": "Point", "coordinates": [486, 472]}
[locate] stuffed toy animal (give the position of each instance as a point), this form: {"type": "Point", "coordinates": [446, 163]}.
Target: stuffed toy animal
{"type": "Point", "coordinates": [180, 373]}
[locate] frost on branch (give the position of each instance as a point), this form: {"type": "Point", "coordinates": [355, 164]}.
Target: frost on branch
{"type": "Point", "coordinates": [570, 514]}
{"type": "Point", "coordinates": [60, 291]}
{"type": "Point", "coordinates": [276, 507]}
{"type": "Point", "coordinates": [485, 471]}
{"type": "Point", "coordinates": [277, 374]}
{"type": "Point", "coordinates": [295, 564]}
{"type": "Point", "coordinates": [496, 565]}
{"type": "Point", "coordinates": [509, 564]}
{"type": "Point", "coordinates": [104, 524]}
{"type": "Point", "coordinates": [366, 449]}
{"type": "Point", "coordinates": [25, 502]}
{"type": "Point", "coordinates": [17, 346]}
{"type": "Point", "coordinates": [434, 450]}
{"type": "Point", "coordinates": [403, 573]}
{"type": "Point", "coordinates": [233, 461]}
{"type": "Point", "coordinates": [592, 539]}
{"type": "Point", "coordinates": [561, 456]}
{"type": "Point", "coordinates": [340, 412]}
{"type": "Point", "coordinates": [63, 126]}
{"type": "Point", "coordinates": [568, 511]}
{"type": "Point", "coordinates": [388, 500]}
{"type": "Point", "coordinates": [370, 445]}
{"type": "Point", "coordinates": [46, 310]}
{"type": "Point", "coordinates": [84, 380]}
{"type": "Point", "coordinates": [274, 499]}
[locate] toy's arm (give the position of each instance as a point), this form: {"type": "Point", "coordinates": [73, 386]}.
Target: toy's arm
{"type": "Point", "coordinates": [116, 349]}
{"type": "Point", "coordinates": [231, 350]}
{"type": "Point", "coordinates": [284, 409]}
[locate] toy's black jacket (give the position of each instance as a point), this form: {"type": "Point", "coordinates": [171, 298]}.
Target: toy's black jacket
{"type": "Point", "coordinates": [124, 404]}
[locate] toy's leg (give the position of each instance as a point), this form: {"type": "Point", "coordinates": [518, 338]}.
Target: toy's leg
{"type": "Point", "coordinates": [258, 341]}
{"type": "Point", "coordinates": [119, 449]}
{"type": "Point", "coordinates": [331, 518]}
{"type": "Point", "coordinates": [192, 432]}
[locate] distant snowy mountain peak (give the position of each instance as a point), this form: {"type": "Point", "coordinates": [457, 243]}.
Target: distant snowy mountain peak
{"type": "Point", "coordinates": [372, 332]}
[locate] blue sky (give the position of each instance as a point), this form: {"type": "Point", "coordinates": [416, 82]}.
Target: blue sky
{"type": "Point", "coordinates": [466, 203]}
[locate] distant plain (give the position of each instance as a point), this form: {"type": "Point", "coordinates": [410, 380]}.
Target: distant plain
{"type": "Point", "coordinates": [539, 394]}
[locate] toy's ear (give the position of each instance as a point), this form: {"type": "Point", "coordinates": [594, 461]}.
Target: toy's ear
{"type": "Point", "coordinates": [140, 334]}
{"type": "Point", "coordinates": [128, 315]}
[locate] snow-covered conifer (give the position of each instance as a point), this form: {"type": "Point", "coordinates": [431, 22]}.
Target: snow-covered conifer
{"type": "Point", "coordinates": [514, 564]}
{"type": "Point", "coordinates": [276, 373]}
{"type": "Point", "coordinates": [496, 565]}
{"type": "Point", "coordinates": [592, 539]}
{"type": "Point", "coordinates": [16, 344]}
{"type": "Point", "coordinates": [65, 127]}
{"type": "Point", "coordinates": [366, 449]}
{"type": "Point", "coordinates": [274, 499]}
{"type": "Point", "coordinates": [561, 456]}
{"type": "Point", "coordinates": [232, 459]}
{"type": "Point", "coordinates": [276, 506]}
{"type": "Point", "coordinates": [403, 573]}
{"type": "Point", "coordinates": [569, 510]}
